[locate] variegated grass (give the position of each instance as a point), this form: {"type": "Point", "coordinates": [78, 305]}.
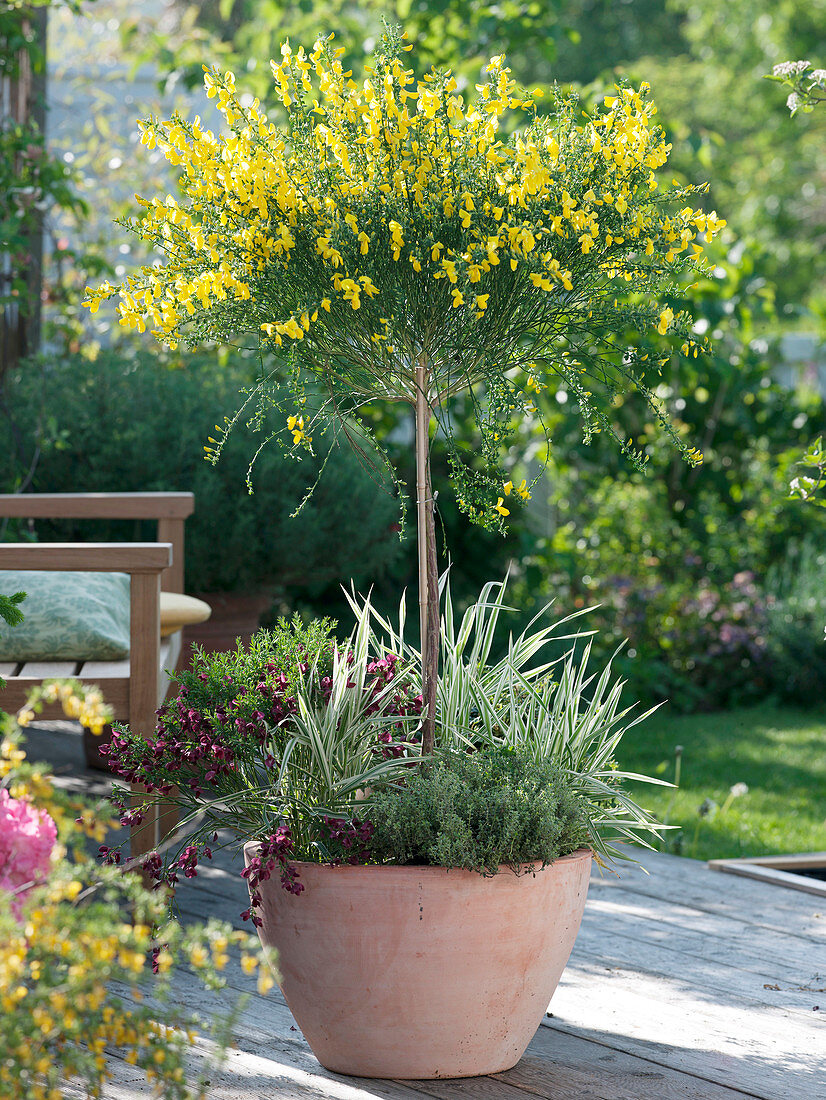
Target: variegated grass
{"type": "Point", "coordinates": [556, 709]}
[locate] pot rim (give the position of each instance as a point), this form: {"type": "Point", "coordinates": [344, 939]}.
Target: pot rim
{"type": "Point", "coordinates": [529, 867]}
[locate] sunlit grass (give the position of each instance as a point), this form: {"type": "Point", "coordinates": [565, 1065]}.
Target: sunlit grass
{"type": "Point", "coordinates": [778, 752]}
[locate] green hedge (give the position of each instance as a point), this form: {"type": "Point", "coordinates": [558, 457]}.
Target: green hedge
{"type": "Point", "coordinates": [135, 423]}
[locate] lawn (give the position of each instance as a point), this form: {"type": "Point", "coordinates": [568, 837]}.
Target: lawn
{"type": "Point", "coordinates": [778, 752]}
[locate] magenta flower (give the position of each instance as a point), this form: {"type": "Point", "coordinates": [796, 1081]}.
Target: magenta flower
{"type": "Point", "coordinates": [27, 837]}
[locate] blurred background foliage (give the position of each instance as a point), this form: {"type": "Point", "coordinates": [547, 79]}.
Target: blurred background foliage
{"type": "Point", "coordinates": [129, 423]}
{"type": "Point", "coordinates": [712, 574]}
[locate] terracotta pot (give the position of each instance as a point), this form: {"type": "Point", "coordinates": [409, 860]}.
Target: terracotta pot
{"type": "Point", "coordinates": [422, 972]}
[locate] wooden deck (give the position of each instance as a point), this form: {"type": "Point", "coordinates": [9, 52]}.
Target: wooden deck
{"type": "Point", "coordinates": [684, 984]}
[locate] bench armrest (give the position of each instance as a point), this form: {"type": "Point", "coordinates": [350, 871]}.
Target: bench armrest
{"type": "Point", "coordinates": [92, 557]}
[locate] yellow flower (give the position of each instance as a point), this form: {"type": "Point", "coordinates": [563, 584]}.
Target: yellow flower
{"type": "Point", "coordinates": [265, 982]}
{"type": "Point", "coordinates": [164, 961]}
{"type": "Point", "coordinates": [506, 488]}
{"type": "Point", "coordinates": [500, 509]}
{"type": "Point", "coordinates": [666, 317]}
{"type": "Point", "coordinates": [198, 956]}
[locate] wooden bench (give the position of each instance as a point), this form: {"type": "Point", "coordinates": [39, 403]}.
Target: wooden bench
{"type": "Point", "coordinates": [135, 687]}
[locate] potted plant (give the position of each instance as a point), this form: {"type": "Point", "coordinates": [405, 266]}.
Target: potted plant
{"type": "Point", "coordinates": [388, 244]}
{"type": "Point", "coordinates": [423, 908]}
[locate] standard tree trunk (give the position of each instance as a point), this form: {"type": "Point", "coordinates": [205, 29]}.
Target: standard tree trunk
{"type": "Point", "coordinates": [428, 565]}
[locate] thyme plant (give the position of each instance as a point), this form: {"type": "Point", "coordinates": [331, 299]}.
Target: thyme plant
{"type": "Point", "coordinates": [391, 241]}
{"type": "Point", "coordinates": [478, 811]}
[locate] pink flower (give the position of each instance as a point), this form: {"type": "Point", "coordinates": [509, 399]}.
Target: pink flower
{"type": "Point", "coordinates": [27, 837]}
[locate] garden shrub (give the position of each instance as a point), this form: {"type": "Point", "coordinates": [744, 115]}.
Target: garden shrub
{"type": "Point", "coordinates": [134, 423]}
{"type": "Point", "coordinates": [682, 576]}
{"type": "Point", "coordinates": [795, 623]}
{"type": "Point", "coordinates": [700, 646]}
{"type": "Point", "coordinates": [477, 810]}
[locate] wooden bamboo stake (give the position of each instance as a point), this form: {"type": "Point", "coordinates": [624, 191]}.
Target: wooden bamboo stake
{"type": "Point", "coordinates": [422, 431]}
{"type": "Point", "coordinates": [428, 566]}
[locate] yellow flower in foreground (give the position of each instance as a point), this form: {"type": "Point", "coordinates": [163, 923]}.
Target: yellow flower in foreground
{"type": "Point", "coordinates": [265, 982]}
{"type": "Point", "coordinates": [666, 317]}
{"type": "Point", "coordinates": [198, 956]}
{"type": "Point", "coordinates": [500, 509]}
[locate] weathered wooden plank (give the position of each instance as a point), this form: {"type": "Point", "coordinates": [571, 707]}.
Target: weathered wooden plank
{"type": "Point", "coordinates": [559, 1064]}
{"type": "Point", "coordinates": [266, 1017]}
{"type": "Point", "coordinates": [673, 1021]}
{"type": "Point", "coordinates": [194, 906]}
{"type": "Point", "coordinates": [94, 557]}
{"type": "Point", "coordinates": [60, 744]}
{"type": "Point", "coordinates": [270, 1055]}
{"type": "Point", "coordinates": [126, 1083]}
{"type": "Point", "coordinates": [97, 505]}
{"type": "Point", "coordinates": [171, 530]}
{"type": "Point", "coordinates": [689, 882]}
{"type": "Point", "coordinates": [785, 879]}
{"type": "Point", "coordinates": [669, 938]}
{"type": "Point", "coordinates": [480, 1088]}
{"type": "Point", "coordinates": [294, 1074]}
{"type": "Point", "coordinates": [46, 670]}
{"type": "Point", "coordinates": [798, 861]}
{"type": "Point", "coordinates": [94, 671]}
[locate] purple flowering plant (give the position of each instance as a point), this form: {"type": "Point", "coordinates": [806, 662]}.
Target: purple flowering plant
{"type": "Point", "coordinates": [279, 742]}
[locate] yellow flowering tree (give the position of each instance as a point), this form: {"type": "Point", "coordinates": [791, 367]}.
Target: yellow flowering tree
{"type": "Point", "coordinates": [390, 242]}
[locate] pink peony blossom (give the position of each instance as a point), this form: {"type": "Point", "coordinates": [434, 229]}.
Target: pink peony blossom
{"type": "Point", "coordinates": [27, 837]}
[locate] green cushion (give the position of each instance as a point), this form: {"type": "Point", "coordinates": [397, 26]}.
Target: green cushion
{"type": "Point", "coordinates": [67, 616]}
